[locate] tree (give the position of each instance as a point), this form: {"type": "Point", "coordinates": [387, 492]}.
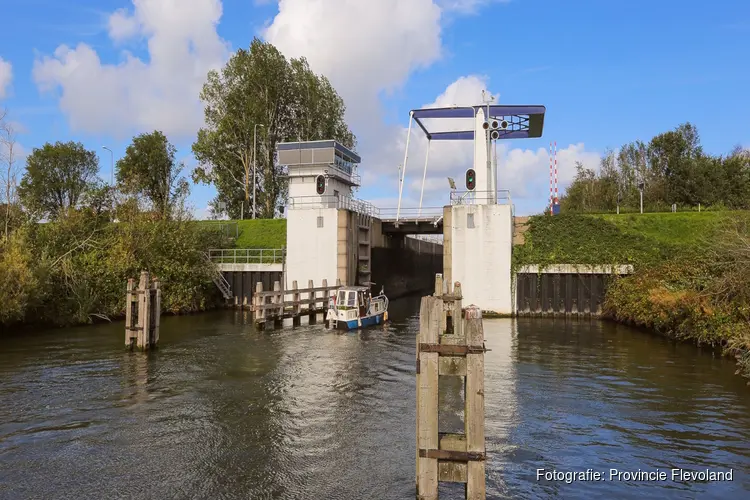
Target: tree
{"type": "Point", "coordinates": [57, 175]}
{"type": "Point", "coordinates": [287, 102]}
{"type": "Point", "coordinates": [9, 174]}
{"type": "Point", "coordinates": [149, 169]}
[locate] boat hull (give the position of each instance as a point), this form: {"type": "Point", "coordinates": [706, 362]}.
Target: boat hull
{"type": "Point", "coordinates": [353, 324]}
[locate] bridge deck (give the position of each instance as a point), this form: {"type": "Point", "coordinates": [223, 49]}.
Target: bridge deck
{"type": "Point", "coordinates": [412, 226]}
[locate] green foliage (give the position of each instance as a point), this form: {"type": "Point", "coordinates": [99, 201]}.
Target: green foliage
{"type": "Point", "coordinates": [673, 169]}
{"type": "Point", "coordinates": [149, 169]}
{"type": "Point", "coordinates": [259, 90]}
{"type": "Point", "coordinates": [57, 176]}
{"type": "Point", "coordinates": [74, 270]}
{"type": "Point", "coordinates": [691, 279]}
{"type": "Point", "coordinates": [582, 239]}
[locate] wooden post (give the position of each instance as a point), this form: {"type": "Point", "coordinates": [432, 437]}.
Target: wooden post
{"type": "Point", "coordinates": [474, 403]}
{"type": "Point", "coordinates": [130, 314]}
{"type": "Point", "coordinates": [311, 296]}
{"type": "Point", "coordinates": [455, 351]}
{"type": "Point", "coordinates": [438, 285]}
{"type": "Point", "coordinates": [296, 306]}
{"type": "Point", "coordinates": [260, 311]}
{"type": "Point", "coordinates": [278, 299]}
{"type": "Point", "coordinates": [427, 397]}
{"type": "Point", "coordinates": [144, 310]}
{"type": "Point", "coordinates": [156, 312]}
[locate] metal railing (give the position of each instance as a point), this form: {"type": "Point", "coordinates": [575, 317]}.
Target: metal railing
{"type": "Point", "coordinates": [334, 170]}
{"type": "Point", "coordinates": [333, 201]}
{"type": "Point", "coordinates": [481, 197]}
{"type": "Point", "coordinates": [247, 255]}
{"type": "Point", "coordinates": [427, 214]}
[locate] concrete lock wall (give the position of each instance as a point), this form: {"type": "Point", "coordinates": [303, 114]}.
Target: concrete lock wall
{"type": "Point", "coordinates": [312, 246]}
{"type": "Point", "coordinates": [404, 265]}
{"type": "Point", "coordinates": [477, 253]}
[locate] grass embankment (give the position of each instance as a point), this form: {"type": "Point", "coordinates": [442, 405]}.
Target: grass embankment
{"type": "Point", "coordinates": [257, 233]}
{"type": "Point", "coordinates": [690, 282]}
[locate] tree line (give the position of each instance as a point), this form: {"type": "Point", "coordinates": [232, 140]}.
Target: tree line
{"type": "Point", "coordinates": [672, 168]}
{"type": "Point", "coordinates": [68, 239]}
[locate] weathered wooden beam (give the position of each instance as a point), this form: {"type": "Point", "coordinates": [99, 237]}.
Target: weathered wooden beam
{"type": "Point", "coordinates": [156, 312]}
{"type": "Point", "coordinates": [451, 349]}
{"type": "Point", "coordinates": [129, 313]}
{"type": "Point", "coordinates": [452, 442]}
{"type": "Point", "coordinates": [474, 404]}
{"type": "Point", "coordinates": [427, 411]}
{"type": "Point", "coordinates": [144, 310]}
{"type": "Point", "coordinates": [452, 472]}
{"type": "Point", "coordinates": [461, 456]}
{"type": "Point", "coordinates": [452, 366]}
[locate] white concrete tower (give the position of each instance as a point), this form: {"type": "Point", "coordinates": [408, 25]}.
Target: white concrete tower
{"type": "Point", "coordinates": [326, 227]}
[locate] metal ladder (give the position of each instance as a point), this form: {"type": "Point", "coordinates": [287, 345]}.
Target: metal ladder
{"type": "Point", "coordinates": [218, 279]}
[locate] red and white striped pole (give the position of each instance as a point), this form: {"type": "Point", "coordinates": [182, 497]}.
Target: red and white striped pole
{"type": "Point", "coordinates": [555, 199]}
{"type": "Point", "coordinates": [550, 178]}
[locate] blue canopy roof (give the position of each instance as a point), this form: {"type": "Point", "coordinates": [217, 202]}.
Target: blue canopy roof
{"type": "Point", "coordinates": [524, 121]}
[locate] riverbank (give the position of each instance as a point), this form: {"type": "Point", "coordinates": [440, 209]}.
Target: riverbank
{"type": "Point", "coordinates": [73, 271]}
{"type": "Point", "coordinates": [689, 282]}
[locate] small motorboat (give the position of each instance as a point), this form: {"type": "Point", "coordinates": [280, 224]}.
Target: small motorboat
{"type": "Point", "coordinates": [352, 307]}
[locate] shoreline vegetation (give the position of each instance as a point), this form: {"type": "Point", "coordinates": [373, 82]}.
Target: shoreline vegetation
{"type": "Point", "coordinates": [690, 282]}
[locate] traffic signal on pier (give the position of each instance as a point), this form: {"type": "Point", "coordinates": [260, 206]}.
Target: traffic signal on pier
{"type": "Point", "coordinates": [320, 184]}
{"type": "Point", "coordinates": [471, 179]}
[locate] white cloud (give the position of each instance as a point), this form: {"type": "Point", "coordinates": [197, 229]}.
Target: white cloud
{"type": "Point", "coordinates": [122, 25]}
{"type": "Point", "coordinates": [364, 47]}
{"type": "Point", "coordinates": [136, 95]}
{"type": "Point", "coordinates": [525, 172]}
{"type": "Point", "coordinates": [6, 76]}
{"type": "Point", "coordinates": [466, 6]}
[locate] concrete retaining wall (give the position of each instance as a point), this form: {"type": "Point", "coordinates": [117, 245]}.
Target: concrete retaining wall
{"type": "Point", "coordinates": [405, 266]}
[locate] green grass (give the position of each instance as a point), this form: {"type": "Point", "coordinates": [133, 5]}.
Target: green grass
{"type": "Point", "coordinates": [616, 239]}
{"type": "Point", "coordinates": [257, 233]}
{"type": "Point", "coordinates": [681, 229]}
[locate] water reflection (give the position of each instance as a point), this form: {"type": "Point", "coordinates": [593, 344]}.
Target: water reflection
{"type": "Point", "coordinates": [223, 411]}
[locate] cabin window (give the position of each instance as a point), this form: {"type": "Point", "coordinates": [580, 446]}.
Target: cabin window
{"type": "Point", "coordinates": [342, 298]}
{"type": "Point", "coordinates": [320, 221]}
{"type": "Point", "coordinates": [352, 299]}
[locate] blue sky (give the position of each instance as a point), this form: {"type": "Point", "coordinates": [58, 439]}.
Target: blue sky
{"type": "Point", "coordinates": [608, 73]}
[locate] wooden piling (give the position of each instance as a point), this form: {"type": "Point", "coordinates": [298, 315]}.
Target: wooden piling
{"type": "Point", "coordinates": [142, 312]}
{"type": "Point", "coordinates": [296, 307]}
{"type": "Point", "coordinates": [259, 309]}
{"type": "Point", "coordinates": [312, 295]}
{"type": "Point", "coordinates": [278, 299]}
{"type": "Point", "coordinates": [450, 343]}
{"type": "Point", "coordinates": [131, 314]}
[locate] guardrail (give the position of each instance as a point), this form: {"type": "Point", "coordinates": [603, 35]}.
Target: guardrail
{"type": "Point", "coordinates": [430, 214]}
{"type": "Point", "coordinates": [246, 255]}
{"type": "Point", "coordinates": [481, 197]}
{"type": "Point", "coordinates": [333, 201]}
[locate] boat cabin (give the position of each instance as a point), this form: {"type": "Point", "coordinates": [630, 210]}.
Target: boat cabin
{"type": "Point", "coordinates": [353, 297]}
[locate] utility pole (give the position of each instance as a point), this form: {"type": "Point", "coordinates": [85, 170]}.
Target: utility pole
{"type": "Point", "coordinates": [255, 162]}
{"type": "Point", "coordinates": [112, 177]}
{"type": "Point", "coordinates": [112, 166]}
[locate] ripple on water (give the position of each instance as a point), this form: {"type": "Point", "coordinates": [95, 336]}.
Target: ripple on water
{"type": "Point", "coordinates": [222, 411]}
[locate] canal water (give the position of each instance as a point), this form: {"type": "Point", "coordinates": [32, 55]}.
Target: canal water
{"type": "Point", "coordinates": [222, 411]}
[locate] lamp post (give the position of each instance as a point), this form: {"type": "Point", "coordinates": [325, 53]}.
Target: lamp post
{"type": "Point", "coordinates": [255, 163]}
{"type": "Point", "coordinates": [112, 165]}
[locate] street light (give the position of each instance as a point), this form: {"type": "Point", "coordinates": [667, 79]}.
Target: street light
{"type": "Point", "coordinates": [255, 163]}
{"type": "Point", "coordinates": [112, 165]}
